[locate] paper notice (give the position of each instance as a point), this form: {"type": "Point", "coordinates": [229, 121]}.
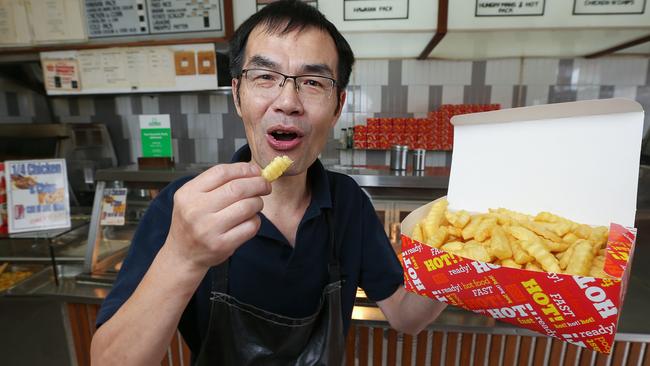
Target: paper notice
{"type": "Point", "coordinates": [56, 20]}
{"type": "Point", "coordinates": [130, 68]}
{"type": "Point", "coordinates": [14, 28]}
{"type": "Point", "coordinates": [207, 62]}
{"type": "Point", "coordinates": [160, 68]}
{"type": "Point", "coordinates": [185, 63]}
{"type": "Point", "coordinates": [150, 67]}
{"type": "Point", "coordinates": [61, 74]}
{"type": "Point", "coordinates": [103, 69]}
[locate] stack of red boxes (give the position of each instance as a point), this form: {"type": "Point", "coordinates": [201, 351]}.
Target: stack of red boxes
{"type": "Point", "coordinates": [3, 201]}
{"type": "Point", "coordinates": [432, 133]}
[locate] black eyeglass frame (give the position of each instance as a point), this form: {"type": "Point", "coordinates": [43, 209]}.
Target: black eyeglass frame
{"type": "Point", "coordinates": [294, 77]}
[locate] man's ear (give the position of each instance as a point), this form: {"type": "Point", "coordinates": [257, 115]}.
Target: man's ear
{"type": "Point", "coordinates": [341, 103]}
{"type": "Point", "coordinates": [235, 95]}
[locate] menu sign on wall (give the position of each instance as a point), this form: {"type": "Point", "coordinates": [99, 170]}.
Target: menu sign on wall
{"type": "Point", "coordinates": [37, 195]}
{"type": "Point", "coordinates": [175, 16]}
{"type": "Point", "coordinates": [608, 7]}
{"type": "Point", "coordinates": [107, 18]}
{"type": "Point", "coordinates": [375, 9]}
{"type": "Point", "coordinates": [491, 8]}
{"type": "Point", "coordinates": [262, 3]}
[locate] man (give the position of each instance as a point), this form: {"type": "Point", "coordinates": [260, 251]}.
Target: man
{"type": "Point", "coordinates": [252, 272]}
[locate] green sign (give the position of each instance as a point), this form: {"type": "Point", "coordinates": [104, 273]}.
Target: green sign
{"type": "Point", "coordinates": [156, 135]}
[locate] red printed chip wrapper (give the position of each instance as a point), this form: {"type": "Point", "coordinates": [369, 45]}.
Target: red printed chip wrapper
{"type": "Point", "coordinates": [580, 310]}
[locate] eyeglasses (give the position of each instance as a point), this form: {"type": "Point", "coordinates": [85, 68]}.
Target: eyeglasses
{"type": "Point", "coordinates": [269, 84]}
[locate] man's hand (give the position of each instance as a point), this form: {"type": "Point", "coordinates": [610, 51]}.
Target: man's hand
{"type": "Point", "coordinates": [215, 213]}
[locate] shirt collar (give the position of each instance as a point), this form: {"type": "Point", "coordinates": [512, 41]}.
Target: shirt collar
{"type": "Point", "coordinates": [316, 178]}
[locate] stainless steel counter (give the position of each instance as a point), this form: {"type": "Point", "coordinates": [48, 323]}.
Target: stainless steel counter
{"type": "Point", "coordinates": [365, 176]}
{"type": "Point", "coordinates": [633, 323]}
{"type": "Point", "coordinates": [383, 177]}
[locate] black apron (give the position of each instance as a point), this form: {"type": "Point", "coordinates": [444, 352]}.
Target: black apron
{"type": "Point", "coordinates": [241, 334]}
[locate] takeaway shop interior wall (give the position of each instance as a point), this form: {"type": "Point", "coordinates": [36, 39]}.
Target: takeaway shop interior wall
{"type": "Point", "coordinates": [206, 128]}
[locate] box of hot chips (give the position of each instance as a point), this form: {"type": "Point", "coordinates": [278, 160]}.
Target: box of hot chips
{"type": "Point", "coordinates": [537, 226]}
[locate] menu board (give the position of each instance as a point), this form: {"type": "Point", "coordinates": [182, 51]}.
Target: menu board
{"type": "Point", "coordinates": [608, 7]}
{"type": "Point", "coordinates": [262, 3]}
{"type": "Point", "coordinates": [178, 16]}
{"type": "Point", "coordinates": [491, 8]}
{"type": "Point", "coordinates": [37, 195]}
{"type": "Point", "coordinates": [109, 18]}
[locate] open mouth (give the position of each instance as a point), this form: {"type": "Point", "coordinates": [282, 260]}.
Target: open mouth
{"type": "Point", "coordinates": [284, 137]}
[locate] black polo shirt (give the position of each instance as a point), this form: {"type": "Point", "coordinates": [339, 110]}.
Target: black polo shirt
{"type": "Point", "coordinates": [266, 271]}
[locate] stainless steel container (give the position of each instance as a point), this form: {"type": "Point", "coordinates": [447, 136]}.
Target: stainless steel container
{"type": "Point", "coordinates": [398, 157]}
{"type": "Point", "coordinates": [419, 159]}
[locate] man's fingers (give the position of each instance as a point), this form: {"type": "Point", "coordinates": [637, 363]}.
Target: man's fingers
{"type": "Point", "coordinates": [239, 234]}
{"type": "Point", "coordinates": [236, 213]}
{"type": "Point", "coordinates": [220, 174]}
{"type": "Point", "coordinates": [235, 190]}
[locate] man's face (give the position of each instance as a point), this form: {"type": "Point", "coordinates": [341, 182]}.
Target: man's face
{"type": "Point", "coordinates": [287, 124]}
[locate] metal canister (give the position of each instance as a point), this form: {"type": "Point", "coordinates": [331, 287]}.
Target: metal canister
{"type": "Point", "coordinates": [398, 157]}
{"type": "Point", "coordinates": [419, 159]}
{"type": "Point", "coordinates": [350, 138]}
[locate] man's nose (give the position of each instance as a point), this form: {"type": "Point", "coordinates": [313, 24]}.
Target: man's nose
{"type": "Point", "coordinates": [288, 101]}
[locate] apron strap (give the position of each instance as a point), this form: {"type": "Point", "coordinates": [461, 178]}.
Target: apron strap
{"type": "Point", "coordinates": [333, 266]}
{"type": "Point", "coordinates": [220, 277]}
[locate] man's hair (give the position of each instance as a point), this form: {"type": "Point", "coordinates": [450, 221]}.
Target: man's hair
{"type": "Point", "coordinates": [283, 17]}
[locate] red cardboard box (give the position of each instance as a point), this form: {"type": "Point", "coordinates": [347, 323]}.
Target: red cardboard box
{"type": "Point", "coordinates": [539, 142]}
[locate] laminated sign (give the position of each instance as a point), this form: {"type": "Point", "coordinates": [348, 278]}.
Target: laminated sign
{"type": "Point", "coordinates": [113, 207]}
{"type": "Point", "coordinates": [562, 273]}
{"type": "Point", "coordinates": [37, 195]}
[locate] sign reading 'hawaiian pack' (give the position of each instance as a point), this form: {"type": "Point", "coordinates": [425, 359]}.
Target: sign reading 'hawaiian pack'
{"type": "Point", "coordinates": [581, 310]}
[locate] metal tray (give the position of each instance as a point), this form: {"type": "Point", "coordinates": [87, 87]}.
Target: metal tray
{"type": "Point", "coordinates": [33, 268]}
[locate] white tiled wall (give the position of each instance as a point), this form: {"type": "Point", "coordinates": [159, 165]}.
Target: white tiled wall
{"type": "Point", "coordinates": [377, 88]}
{"type": "Point", "coordinates": [502, 94]}
{"type": "Point", "coordinates": [539, 71]}
{"type": "Point", "coordinates": [503, 72]}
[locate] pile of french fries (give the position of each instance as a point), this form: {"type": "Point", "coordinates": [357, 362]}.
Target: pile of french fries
{"type": "Point", "coordinates": [545, 242]}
